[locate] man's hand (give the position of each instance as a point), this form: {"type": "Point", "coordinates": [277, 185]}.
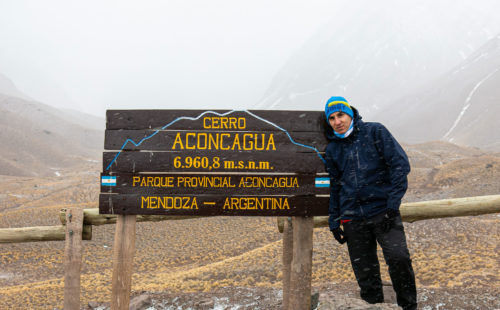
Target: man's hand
{"type": "Point", "coordinates": [338, 234]}
{"type": "Point", "coordinates": [388, 220]}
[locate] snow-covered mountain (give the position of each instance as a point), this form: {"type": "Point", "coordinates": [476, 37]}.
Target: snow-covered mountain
{"type": "Point", "coordinates": [376, 52]}
{"type": "Point", "coordinates": [462, 106]}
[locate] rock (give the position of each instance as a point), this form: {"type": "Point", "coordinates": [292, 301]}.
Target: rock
{"type": "Point", "coordinates": [389, 294]}
{"type": "Point", "coordinates": [205, 304]}
{"type": "Point", "coordinates": [93, 304]}
{"type": "Point", "coordinates": [140, 302]}
{"type": "Point", "coordinates": [346, 303]}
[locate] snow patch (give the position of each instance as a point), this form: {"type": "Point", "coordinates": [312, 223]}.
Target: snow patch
{"type": "Point", "coordinates": [467, 104]}
{"type": "Point", "coordinates": [462, 54]}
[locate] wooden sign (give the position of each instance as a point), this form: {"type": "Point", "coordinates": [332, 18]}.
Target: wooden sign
{"type": "Point", "coordinates": [194, 162]}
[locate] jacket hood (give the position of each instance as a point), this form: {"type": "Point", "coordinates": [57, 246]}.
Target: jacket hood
{"type": "Point", "coordinates": [329, 130]}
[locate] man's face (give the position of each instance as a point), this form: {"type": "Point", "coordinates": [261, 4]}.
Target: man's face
{"type": "Point", "coordinates": [340, 122]}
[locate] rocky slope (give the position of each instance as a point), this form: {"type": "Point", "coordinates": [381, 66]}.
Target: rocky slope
{"type": "Point", "coordinates": [38, 140]}
{"type": "Point", "coordinates": [460, 107]}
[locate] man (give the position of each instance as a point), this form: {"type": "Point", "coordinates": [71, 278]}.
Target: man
{"type": "Point", "coordinates": [368, 178]}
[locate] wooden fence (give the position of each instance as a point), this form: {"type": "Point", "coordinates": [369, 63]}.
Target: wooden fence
{"type": "Point", "coordinates": [76, 225]}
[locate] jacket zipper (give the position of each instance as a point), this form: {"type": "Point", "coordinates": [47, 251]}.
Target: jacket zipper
{"type": "Point", "coordinates": [356, 178]}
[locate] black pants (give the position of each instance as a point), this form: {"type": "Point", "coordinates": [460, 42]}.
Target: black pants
{"type": "Point", "coordinates": [362, 237]}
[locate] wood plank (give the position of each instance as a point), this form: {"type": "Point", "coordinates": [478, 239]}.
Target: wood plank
{"type": "Point", "coordinates": [262, 162]}
{"type": "Point", "coordinates": [123, 262]}
{"type": "Point", "coordinates": [213, 141]}
{"type": "Point", "coordinates": [73, 258]}
{"type": "Point", "coordinates": [194, 119]}
{"type": "Point", "coordinates": [213, 205]}
{"type": "Point", "coordinates": [301, 269]}
{"type": "Point", "coordinates": [241, 184]}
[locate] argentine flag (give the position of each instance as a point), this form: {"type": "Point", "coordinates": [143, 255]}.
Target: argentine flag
{"type": "Point", "coordinates": [108, 180]}
{"type": "Point", "coordinates": [322, 182]}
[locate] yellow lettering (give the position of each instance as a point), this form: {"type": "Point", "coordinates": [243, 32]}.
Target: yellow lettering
{"type": "Point", "coordinates": [286, 205]}
{"type": "Point", "coordinates": [153, 203]}
{"type": "Point", "coordinates": [190, 134]}
{"type": "Point", "coordinates": [261, 147]}
{"type": "Point", "coordinates": [200, 146]}
{"type": "Point", "coordinates": [236, 142]}
{"type": "Point", "coordinates": [242, 123]}
{"type": "Point", "coordinates": [205, 123]}
{"type": "Point", "coordinates": [232, 122]}
{"type": "Point", "coordinates": [222, 141]}
{"type": "Point", "coordinates": [270, 142]}
{"type": "Point", "coordinates": [247, 142]}
{"type": "Point", "coordinates": [235, 203]}
{"type": "Point", "coordinates": [135, 180]}
{"type": "Point", "coordinates": [223, 123]}
{"type": "Point", "coordinates": [227, 204]}
{"type": "Point", "coordinates": [178, 140]}
{"type": "Point", "coordinates": [144, 200]}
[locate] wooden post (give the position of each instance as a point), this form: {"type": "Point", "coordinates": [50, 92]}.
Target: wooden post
{"type": "Point", "coordinates": [287, 261]}
{"type": "Point", "coordinates": [123, 261]}
{"type": "Point", "coordinates": [301, 271]}
{"type": "Point", "coordinates": [73, 258]}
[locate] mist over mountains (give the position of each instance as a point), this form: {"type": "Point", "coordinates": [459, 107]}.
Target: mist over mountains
{"type": "Point", "coordinates": [384, 57]}
{"type": "Point", "coordinates": [39, 140]}
{"type": "Point", "coordinates": [461, 106]}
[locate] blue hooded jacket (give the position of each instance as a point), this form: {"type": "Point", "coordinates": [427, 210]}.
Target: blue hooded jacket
{"type": "Point", "coordinates": [368, 172]}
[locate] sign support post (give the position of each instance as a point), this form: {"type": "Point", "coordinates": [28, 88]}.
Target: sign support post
{"type": "Point", "coordinates": [123, 262]}
{"type": "Point", "coordinates": [287, 261]}
{"type": "Point", "coordinates": [73, 258]}
{"type": "Point", "coordinates": [301, 269]}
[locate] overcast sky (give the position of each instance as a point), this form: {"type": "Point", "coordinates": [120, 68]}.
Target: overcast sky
{"type": "Point", "coordinates": [97, 55]}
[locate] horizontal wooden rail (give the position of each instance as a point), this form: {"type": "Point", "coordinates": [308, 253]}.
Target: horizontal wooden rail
{"type": "Point", "coordinates": [39, 233]}
{"type": "Point", "coordinates": [424, 210]}
{"type": "Point", "coordinates": [92, 217]}
{"type": "Point", "coordinates": [57, 233]}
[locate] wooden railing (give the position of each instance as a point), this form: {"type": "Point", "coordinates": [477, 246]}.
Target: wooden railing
{"type": "Point", "coordinates": [432, 209]}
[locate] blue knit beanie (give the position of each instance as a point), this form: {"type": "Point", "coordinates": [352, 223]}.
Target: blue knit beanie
{"type": "Point", "coordinates": [336, 104]}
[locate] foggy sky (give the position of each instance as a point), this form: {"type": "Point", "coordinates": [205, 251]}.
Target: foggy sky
{"type": "Point", "coordinates": [97, 55]}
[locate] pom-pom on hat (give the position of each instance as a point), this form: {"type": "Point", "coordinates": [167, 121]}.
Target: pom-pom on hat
{"type": "Point", "coordinates": [336, 104]}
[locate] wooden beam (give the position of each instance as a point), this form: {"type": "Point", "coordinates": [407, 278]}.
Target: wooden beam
{"type": "Point", "coordinates": [73, 258]}
{"type": "Point", "coordinates": [229, 161]}
{"type": "Point", "coordinates": [39, 233]}
{"type": "Point", "coordinates": [92, 217]}
{"type": "Point", "coordinates": [424, 210]}
{"type": "Point", "coordinates": [194, 119]}
{"type": "Point", "coordinates": [213, 205]}
{"type": "Point", "coordinates": [123, 261]}
{"type": "Point", "coordinates": [301, 269]}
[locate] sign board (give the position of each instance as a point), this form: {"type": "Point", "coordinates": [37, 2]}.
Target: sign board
{"type": "Point", "coordinates": [194, 162]}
